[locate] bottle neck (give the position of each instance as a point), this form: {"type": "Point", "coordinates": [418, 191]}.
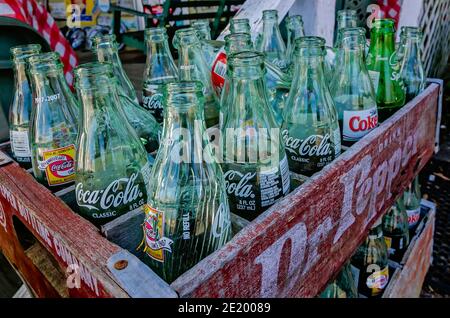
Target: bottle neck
{"type": "Point", "coordinates": [411, 48]}
{"type": "Point", "coordinates": [20, 78]}
{"type": "Point", "coordinates": [160, 64]}
{"type": "Point", "coordinates": [310, 68]}
{"type": "Point", "coordinates": [382, 43]}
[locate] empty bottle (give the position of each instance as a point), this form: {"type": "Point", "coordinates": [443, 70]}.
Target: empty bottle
{"type": "Point", "coordinates": [271, 41]}
{"type": "Point", "coordinates": [53, 126]}
{"type": "Point", "coordinates": [370, 263]}
{"type": "Point", "coordinates": [411, 71]}
{"type": "Point", "coordinates": [112, 167]}
{"type": "Point", "coordinates": [187, 216]}
{"type": "Point", "coordinates": [384, 69]}
{"type": "Point", "coordinates": [295, 30]}
{"type": "Point", "coordinates": [396, 230]}
{"type": "Point", "coordinates": [192, 67]}
{"type": "Point", "coordinates": [310, 127]}
{"type": "Point", "coordinates": [411, 199]}
{"type": "Point", "coordinates": [142, 121]}
{"type": "Point", "coordinates": [20, 109]}
{"type": "Point", "coordinates": [160, 69]}
{"type": "Point", "coordinates": [352, 89]}
{"type": "Point", "coordinates": [254, 159]}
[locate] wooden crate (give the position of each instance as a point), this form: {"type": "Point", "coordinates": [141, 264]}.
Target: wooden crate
{"type": "Point", "coordinates": [292, 250]}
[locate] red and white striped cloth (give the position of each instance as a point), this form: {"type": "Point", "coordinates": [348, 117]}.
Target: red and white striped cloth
{"type": "Point", "coordinates": [32, 13]}
{"type": "Point", "coordinates": [390, 9]}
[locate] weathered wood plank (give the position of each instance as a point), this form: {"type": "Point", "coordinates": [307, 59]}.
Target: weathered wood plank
{"type": "Point", "coordinates": [297, 245]}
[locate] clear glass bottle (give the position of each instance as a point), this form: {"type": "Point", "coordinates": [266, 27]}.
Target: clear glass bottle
{"type": "Point", "coordinates": [20, 109]}
{"type": "Point", "coordinates": [254, 159]}
{"type": "Point", "coordinates": [370, 263]}
{"type": "Point", "coordinates": [352, 89]}
{"type": "Point", "coordinates": [187, 215]}
{"type": "Point", "coordinates": [192, 67]}
{"type": "Point", "coordinates": [384, 69]}
{"type": "Point", "coordinates": [411, 199]}
{"type": "Point", "coordinates": [53, 127]}
{"type": "Point", "coordinates": [271, 42]}
{"type": "Point", "coordinates": [204, 35]}
{"type": "Point", "coordinates": [310, 128]}
{"type": "Point", "coordinates": [160, 69]}
{"type": "Point", "coordinates": [396, 230]}
{"type": "Point", "coordinates": [411, 70]}
{"type": "Point", "coordinates": [240, 26]}
{"type": "Point", "coordinates": [143, 122]}
{"type": "Point", "coordinates": [343, 286]}
{"type": "Point", "coordinates": [345, 19]}
{"type": "Point", "coordinates": [112, 168]}
{"type": "Point", "coordinates": [295, 30]}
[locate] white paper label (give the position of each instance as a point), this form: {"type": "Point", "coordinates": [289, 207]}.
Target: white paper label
{"type": "Point", "coordinates": [357, 124]}
{"type": "Point", "coordinates": [20, 143]}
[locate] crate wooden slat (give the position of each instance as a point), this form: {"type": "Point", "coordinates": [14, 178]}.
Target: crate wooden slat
{"type": "Point", "coordinates": [291, 250]}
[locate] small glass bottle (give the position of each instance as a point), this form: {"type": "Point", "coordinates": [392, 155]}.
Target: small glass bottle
{"type": "Point", "coordinates": [370, 263]}
{"type": "Point", "coordinates": [20, 109]}
{"type": "Point", "coordinates": [160, 69]}
{"type": "Point", "coordinates": [352, 89]}
{"type": "Point", "coordinates": [384, 69]}
{"type": "Point", "coordinates": [112, 168]}
{"type": "Point", "coordinates": [411, 70]}
{"type": "Point", "coordinates": [310, 128]}
{"type": "Point", "coordinates": [187, 216]}
{"type": "Point", "coordinates": [53, 128]}
{"type": "Point", "coordinates": [192, 67]}
{"type": "Point", "coordinates": [254, 160]}
{"type": "Point", "coordinates": [411, 199]}
{"type": "Point", "coordinates": [295, 30]}
{"type": "Point", "coordinates": [396, 230]}
{"type": "Point", "coordinates": [271, 42]}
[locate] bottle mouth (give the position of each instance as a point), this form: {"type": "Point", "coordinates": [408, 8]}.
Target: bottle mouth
{"type": "Point", "coordinates": [21, 52]}
{"type": "Point", "coordinates": [385, 25]}
{"type": "Point", "coordinates": [270, 14]}
{"type": "Point", "coordinates": [184, 37]}
{"type": "Point", "coordinates": [246, 58]}
{"type": "Point", "coordinates": [310, 46]}
{"type": "Point", "coordinates": [155, 34]}
{"type": "Point", "coordinates": [237, 42]}
{"type": "Point", "coordinates": [240, 21]}
{"type": "Point", "coordinates": [200, 23]}
{"type": "Point", "coordinates": [295, 21]}
{"type": "Point", "coordinates": [352, 35]}
{"type": "Point", "coordinates": [347, 14]}
{"type": "Point", "coordinates": [411, 33]}
{"type": "Point", "coordinates": [103, 40]}
{"type": "Point", "coordinates": [94, 74]}
{"type": "Point", "coordinates": [43, 62]}
{"type": "Point", "coordinates": [183, 95]}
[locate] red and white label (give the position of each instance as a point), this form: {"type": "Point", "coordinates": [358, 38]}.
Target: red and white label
{"type": "Point", "coordinates": [413, 217]}
{"type": "Point", "coordinates": [218, 71]}
{"type": "Point", "coordinates": [359, 123]}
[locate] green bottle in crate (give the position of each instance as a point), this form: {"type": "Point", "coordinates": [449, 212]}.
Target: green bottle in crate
{"type": "Point", "coordinates": [370, 263]}
{"type": "Point", "coordinates": [112, 167]}
{"type": "Point", "coordinates": [411, 198]}
{"type": "Point", "coordinates": [396, 230]}
{"type": "Point", "coordinates": [343, 286]}
{"type": "Point", "coordinates": [20, 109]}
{"type": "Point", "coordinates": [187, 216]}
{"type": "Point", "coordinates": [384, 69]}
{"type": "Point", "coordinates": [53, 128]}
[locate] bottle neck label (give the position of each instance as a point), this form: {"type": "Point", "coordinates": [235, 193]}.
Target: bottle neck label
{"type": "Point", "coordinates": [358, 123]}
{"type": "Point", "coordinates": [59, 165]}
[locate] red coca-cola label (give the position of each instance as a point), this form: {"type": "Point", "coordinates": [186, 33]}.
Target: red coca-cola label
{"type": "Point", "coordinates": [218, 71]}
{"type": "Point", "coordinates": [59, 165]}
{"type": "Point", "coordinates": [357, 124]}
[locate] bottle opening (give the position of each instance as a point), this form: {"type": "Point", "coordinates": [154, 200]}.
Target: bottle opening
{"type": "Point", "coordinates": [411, 33]}
{"type": "Point", "coordinates": [43, 62]}
{"type": "Point", "coordinates": [183, 95]}
{"type": "Point", "coordinates": [92, 75]}
{"type": "Point", "coordinates": [237, 42]}
{"type": "Point", "coordinates": [384, 25]}
{"type": "Point", "coordinates": [104, 40]}
{"type": "Point", "coordinates": [310, 46]}
{"type": "Point", "coordinates": [347, 14]}
{"type": "Point", "coordinates": [155, 34]}
{"type": "Point", "coordinates": [22, 51]}
{"type": "Point", "coordinates": [246, 58]}
{"type": "Point", "coordinates": [294, 22]}
{"type": "Point", "coordinates": [184, 37]}
{"type": "Point", "coordinates": [270, 14]}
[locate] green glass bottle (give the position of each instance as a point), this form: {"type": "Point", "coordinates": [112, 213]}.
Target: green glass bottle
{"type": "Point", "coordinates": [352, 89]}
{"type": "Point", "coordinates": [187, 215]}
{"type": "Point", "coordinates": [343, 286]}
{"type": "Point", "coordinates": [370, 263]}
{"type": "Point", "coordinates": [271, 42]}
{"type": "Point", "coordinates": [20, 108]}
{"type": "Point", "coordinates": [295, 30]}
{"type": "Point", "coordinates": [396, 230]}
{"type": "Point", "coordinates": [254, 159]}
{"type": "Point", "coordinates": [142, 121]}
{"type": "Point", "coordinates": [240, 26]}
{"type": "Point", "coordinates": [384, 69]}
{"type": "Point", "coordinates": [411, 199]}
{"type": "Point", "coordinates": [53, 127]}
{"type": "Point", "coordinates": [310, 128]}
{"type": "Point", "coordinates": [112, 167]}
{"type": "Point", "coordinates": [192, 67]}
{"type": "Point", "coordinates": [160, 69]}
{"type": "Point", "coordinates": [411, 70]}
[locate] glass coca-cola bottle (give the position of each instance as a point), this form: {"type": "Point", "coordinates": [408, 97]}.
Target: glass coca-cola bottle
{"type": "Point", "coordinates": [352, 89]}
{"type": "Point", "coordinates": [160, 69]}
{"type": "Point", "coordinates": [20, 109]}
{"type": "Point", "coordinates": [384, 69]}
{"type": "Point", "coordinates": [396, 230]}
{"type": "Point", "coordinates": [112, 167]}
{"type": "Point", "coordinates": [370, 263]}
{"type": "Point", "coordinates": [411, 70]}
{"type": "Point", "coordinates": [192, 67]}
{"type": "Point", "coordinates": [254, 159]}
{"type": "Point", "coordinates": [310, 128]}
{"type": "Point", "coordinates": [271, 42]}
{"type": "Point", "coordinates": [187, 216]}
{"type": "Point", "coordinates": [53, 128]}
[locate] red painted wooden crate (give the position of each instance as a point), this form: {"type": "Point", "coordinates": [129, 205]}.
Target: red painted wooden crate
{"type": "Point", "coordinates": [292, 250]}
